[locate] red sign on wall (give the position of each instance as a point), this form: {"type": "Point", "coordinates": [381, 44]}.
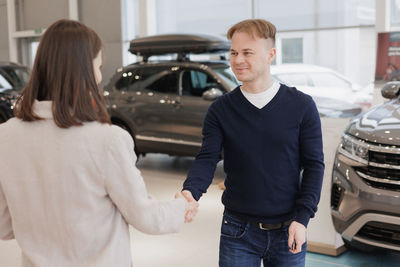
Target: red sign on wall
{"type": "Point", "coordinates": [388, 56]}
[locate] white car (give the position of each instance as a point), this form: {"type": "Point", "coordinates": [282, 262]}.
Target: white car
{"type": "Point", "coordinates": [322, 82]}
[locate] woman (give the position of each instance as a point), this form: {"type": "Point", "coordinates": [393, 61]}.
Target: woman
{"type": "Point", "coordinates": [68, 183]}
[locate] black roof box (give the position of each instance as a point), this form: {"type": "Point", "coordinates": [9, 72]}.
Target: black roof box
{"type": "Point", "coordinates": [178, 43]}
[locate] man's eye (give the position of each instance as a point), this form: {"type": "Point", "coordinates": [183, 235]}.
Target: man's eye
{"type": "Point", "coordinates": [247, 53]}
{"type": "Point", "coordinates": [233, 53]}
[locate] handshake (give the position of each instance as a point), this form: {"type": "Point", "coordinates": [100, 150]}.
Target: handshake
{"type": "Point", "coordinates": [191, 207]}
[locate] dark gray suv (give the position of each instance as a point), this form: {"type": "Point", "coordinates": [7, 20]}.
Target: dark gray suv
{"type": "Point", "coordinates": [13, 77]}
{"type": "Point", "coordinates": [163, 103]}
{"type": "Point", "coordinates": [365, 196]}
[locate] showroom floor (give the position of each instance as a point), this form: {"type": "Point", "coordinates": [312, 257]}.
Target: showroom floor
{"type": "Point", "coordinates": [197, 243]}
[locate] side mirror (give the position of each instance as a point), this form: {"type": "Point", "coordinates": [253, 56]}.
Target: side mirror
{"type": "Point", "coordinates": [390, 90]}
{"type": "Point", "coordinates": [212, 94]}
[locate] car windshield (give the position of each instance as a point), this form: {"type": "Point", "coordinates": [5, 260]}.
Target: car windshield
{"type": "Point", "coordinates": [13, 78]}
{"type": "Point", "coordinates": [226, 75]}
{"type": "Point", "coordinates": [325, 79]}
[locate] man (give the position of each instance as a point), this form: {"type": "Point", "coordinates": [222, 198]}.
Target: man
{"type": "Point", "coordinates": [271, 138]}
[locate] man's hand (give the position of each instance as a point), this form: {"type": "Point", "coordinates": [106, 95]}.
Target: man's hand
{"type": "Point", "coordinates": [297, 236]}
{"type": "Point", "coordinates": [190, 213]}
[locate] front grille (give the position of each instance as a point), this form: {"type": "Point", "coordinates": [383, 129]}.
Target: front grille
{"type": "Point", "coordinates": [385, 186]}
{"type": "Point", "coordinates": [336, 196]}
{"type": "Point", "coordinates": [382, 178]}
{"type": "Point", "coordinates": [383, 173]}
{"type": "Point", "coordinates": [381, 232]}
{"type": "Point", "coordinates": [384, 158]}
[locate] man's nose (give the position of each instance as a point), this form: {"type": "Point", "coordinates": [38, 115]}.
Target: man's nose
{"type": "Point", "coordinates": [238, 59]}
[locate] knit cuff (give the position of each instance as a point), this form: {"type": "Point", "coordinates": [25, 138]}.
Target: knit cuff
{"type": "Point", "coordinates": [302, 216]}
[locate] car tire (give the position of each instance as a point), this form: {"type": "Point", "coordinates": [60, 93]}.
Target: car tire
{"type": "Point", "coordinates": [126, 128]}
{"type": "Point", "coordinates": [355, 245]}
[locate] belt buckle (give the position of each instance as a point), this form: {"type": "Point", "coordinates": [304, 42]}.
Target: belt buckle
{"type": "Point", "coordinates": [262, 227]}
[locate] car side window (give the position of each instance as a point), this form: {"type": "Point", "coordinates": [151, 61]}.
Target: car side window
{"type": "Point", "coordinates": [136, 79]}
{"type": "Point", "coordinates": [164, 82]}
{"type": "Point", "coordinates": [195, 83]}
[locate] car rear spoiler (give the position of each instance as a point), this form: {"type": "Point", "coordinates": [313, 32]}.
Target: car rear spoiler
{"type": "Point", "coordinates": [182, 44]}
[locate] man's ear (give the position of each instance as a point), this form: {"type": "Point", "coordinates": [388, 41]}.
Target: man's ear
{"type": "Point", "coordinates": [271, 55]}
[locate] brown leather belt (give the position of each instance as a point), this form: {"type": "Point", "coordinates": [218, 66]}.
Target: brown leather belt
{"type": "Point", "coordinates": [262, 226]}
{"type": "Point", "coordinates": [271, 226]}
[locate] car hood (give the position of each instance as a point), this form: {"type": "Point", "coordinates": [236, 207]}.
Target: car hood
{"type": "Point", "coordinates": [336, 104]}
{"type": "Point", "coordinates": [379, 125]}
{"type": "Point", "coordinates": [334, 108]}
{"type": "Point", "coordinates": [338, 93]}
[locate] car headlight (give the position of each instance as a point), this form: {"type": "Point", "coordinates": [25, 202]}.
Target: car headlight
{"type": "Point", "coordinates": [354, 148]}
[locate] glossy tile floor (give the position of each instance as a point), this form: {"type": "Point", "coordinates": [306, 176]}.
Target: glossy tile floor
{"type": "Point", "coordinates": [197, 243]}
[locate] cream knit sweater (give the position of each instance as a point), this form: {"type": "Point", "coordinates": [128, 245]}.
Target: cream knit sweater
{"type": "Point", "coordinates": [68, 195]}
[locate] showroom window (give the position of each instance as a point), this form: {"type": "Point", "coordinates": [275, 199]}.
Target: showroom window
{"type": "Point", "coordinates": [130, 28]}
{"type": "Point", "coordinates": [206, 16]}
{"type": "Point", "coordinates": [312, 14]}
{"type": "Point", "coordinates": [292, 50]}
{"type": "Point", "coordinates": [395, 13]}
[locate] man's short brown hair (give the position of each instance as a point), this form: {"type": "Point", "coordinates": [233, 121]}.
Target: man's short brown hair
{"type": "Point", "coordinates": [255, 27]}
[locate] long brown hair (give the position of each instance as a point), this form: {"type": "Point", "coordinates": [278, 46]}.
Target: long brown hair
{"type": "Point", "coordinates": [63, 73]}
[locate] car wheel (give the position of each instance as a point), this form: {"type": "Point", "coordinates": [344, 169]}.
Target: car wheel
{"type": "Point", "coordinates": [126, 128]}
{"type": "Point", "coordinates": [355, 245]}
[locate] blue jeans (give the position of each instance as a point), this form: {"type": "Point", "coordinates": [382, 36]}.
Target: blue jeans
{"type": "Point", "coordinates": [244, 244]}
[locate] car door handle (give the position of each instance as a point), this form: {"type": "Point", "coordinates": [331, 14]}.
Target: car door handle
{"type": "Point", "coordinates": [130, 99]}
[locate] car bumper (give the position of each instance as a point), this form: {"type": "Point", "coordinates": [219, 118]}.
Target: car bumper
{"type": "Point", "coordinates": [362, 212]}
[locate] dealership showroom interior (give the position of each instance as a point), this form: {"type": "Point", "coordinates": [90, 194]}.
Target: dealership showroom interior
{"type": "Point", "coordinates": [212, 154]}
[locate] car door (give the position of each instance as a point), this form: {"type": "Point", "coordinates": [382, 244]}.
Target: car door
{"type": "Point", "coordinates": [146, 97]}
{"type": "Point", "coordinates": [193, 107]}
{"type": "Point", "coordinates": [155, 93]}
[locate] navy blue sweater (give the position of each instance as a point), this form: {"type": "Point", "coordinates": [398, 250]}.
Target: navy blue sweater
{"type": "Point", "coordinates": [273, 156]}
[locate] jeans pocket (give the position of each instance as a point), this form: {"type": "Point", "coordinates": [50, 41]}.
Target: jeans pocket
{"type": "Point", "coordinates": [232, 227]}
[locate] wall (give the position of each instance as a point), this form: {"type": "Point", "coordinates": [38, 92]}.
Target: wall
{"type": "Point", "coordinates": [3, 31]}
{"type": "Point", "coordinates": [104, 17]}
{"type": "Point", "coordinates": [34, 10]}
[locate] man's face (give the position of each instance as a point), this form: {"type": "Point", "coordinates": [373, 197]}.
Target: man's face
{"type": "Point", "coordinates": [250, 57]}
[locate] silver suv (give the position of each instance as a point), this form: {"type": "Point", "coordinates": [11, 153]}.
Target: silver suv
{"type": "Point", "coordinates": [365, 196]}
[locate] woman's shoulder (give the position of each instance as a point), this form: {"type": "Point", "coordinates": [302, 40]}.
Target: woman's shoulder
{"type": "Point", "coordinates": [108, 133]}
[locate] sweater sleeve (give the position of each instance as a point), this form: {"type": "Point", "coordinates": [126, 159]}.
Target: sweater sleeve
{"type": "Point", "coordinates": [201, 172]}
{"type": "Point", "coordinates": [312, 163]}
{"type": "Point", "coordinates": [127, 190]}
{"type": "Point", "coordinates": [6, 231]}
